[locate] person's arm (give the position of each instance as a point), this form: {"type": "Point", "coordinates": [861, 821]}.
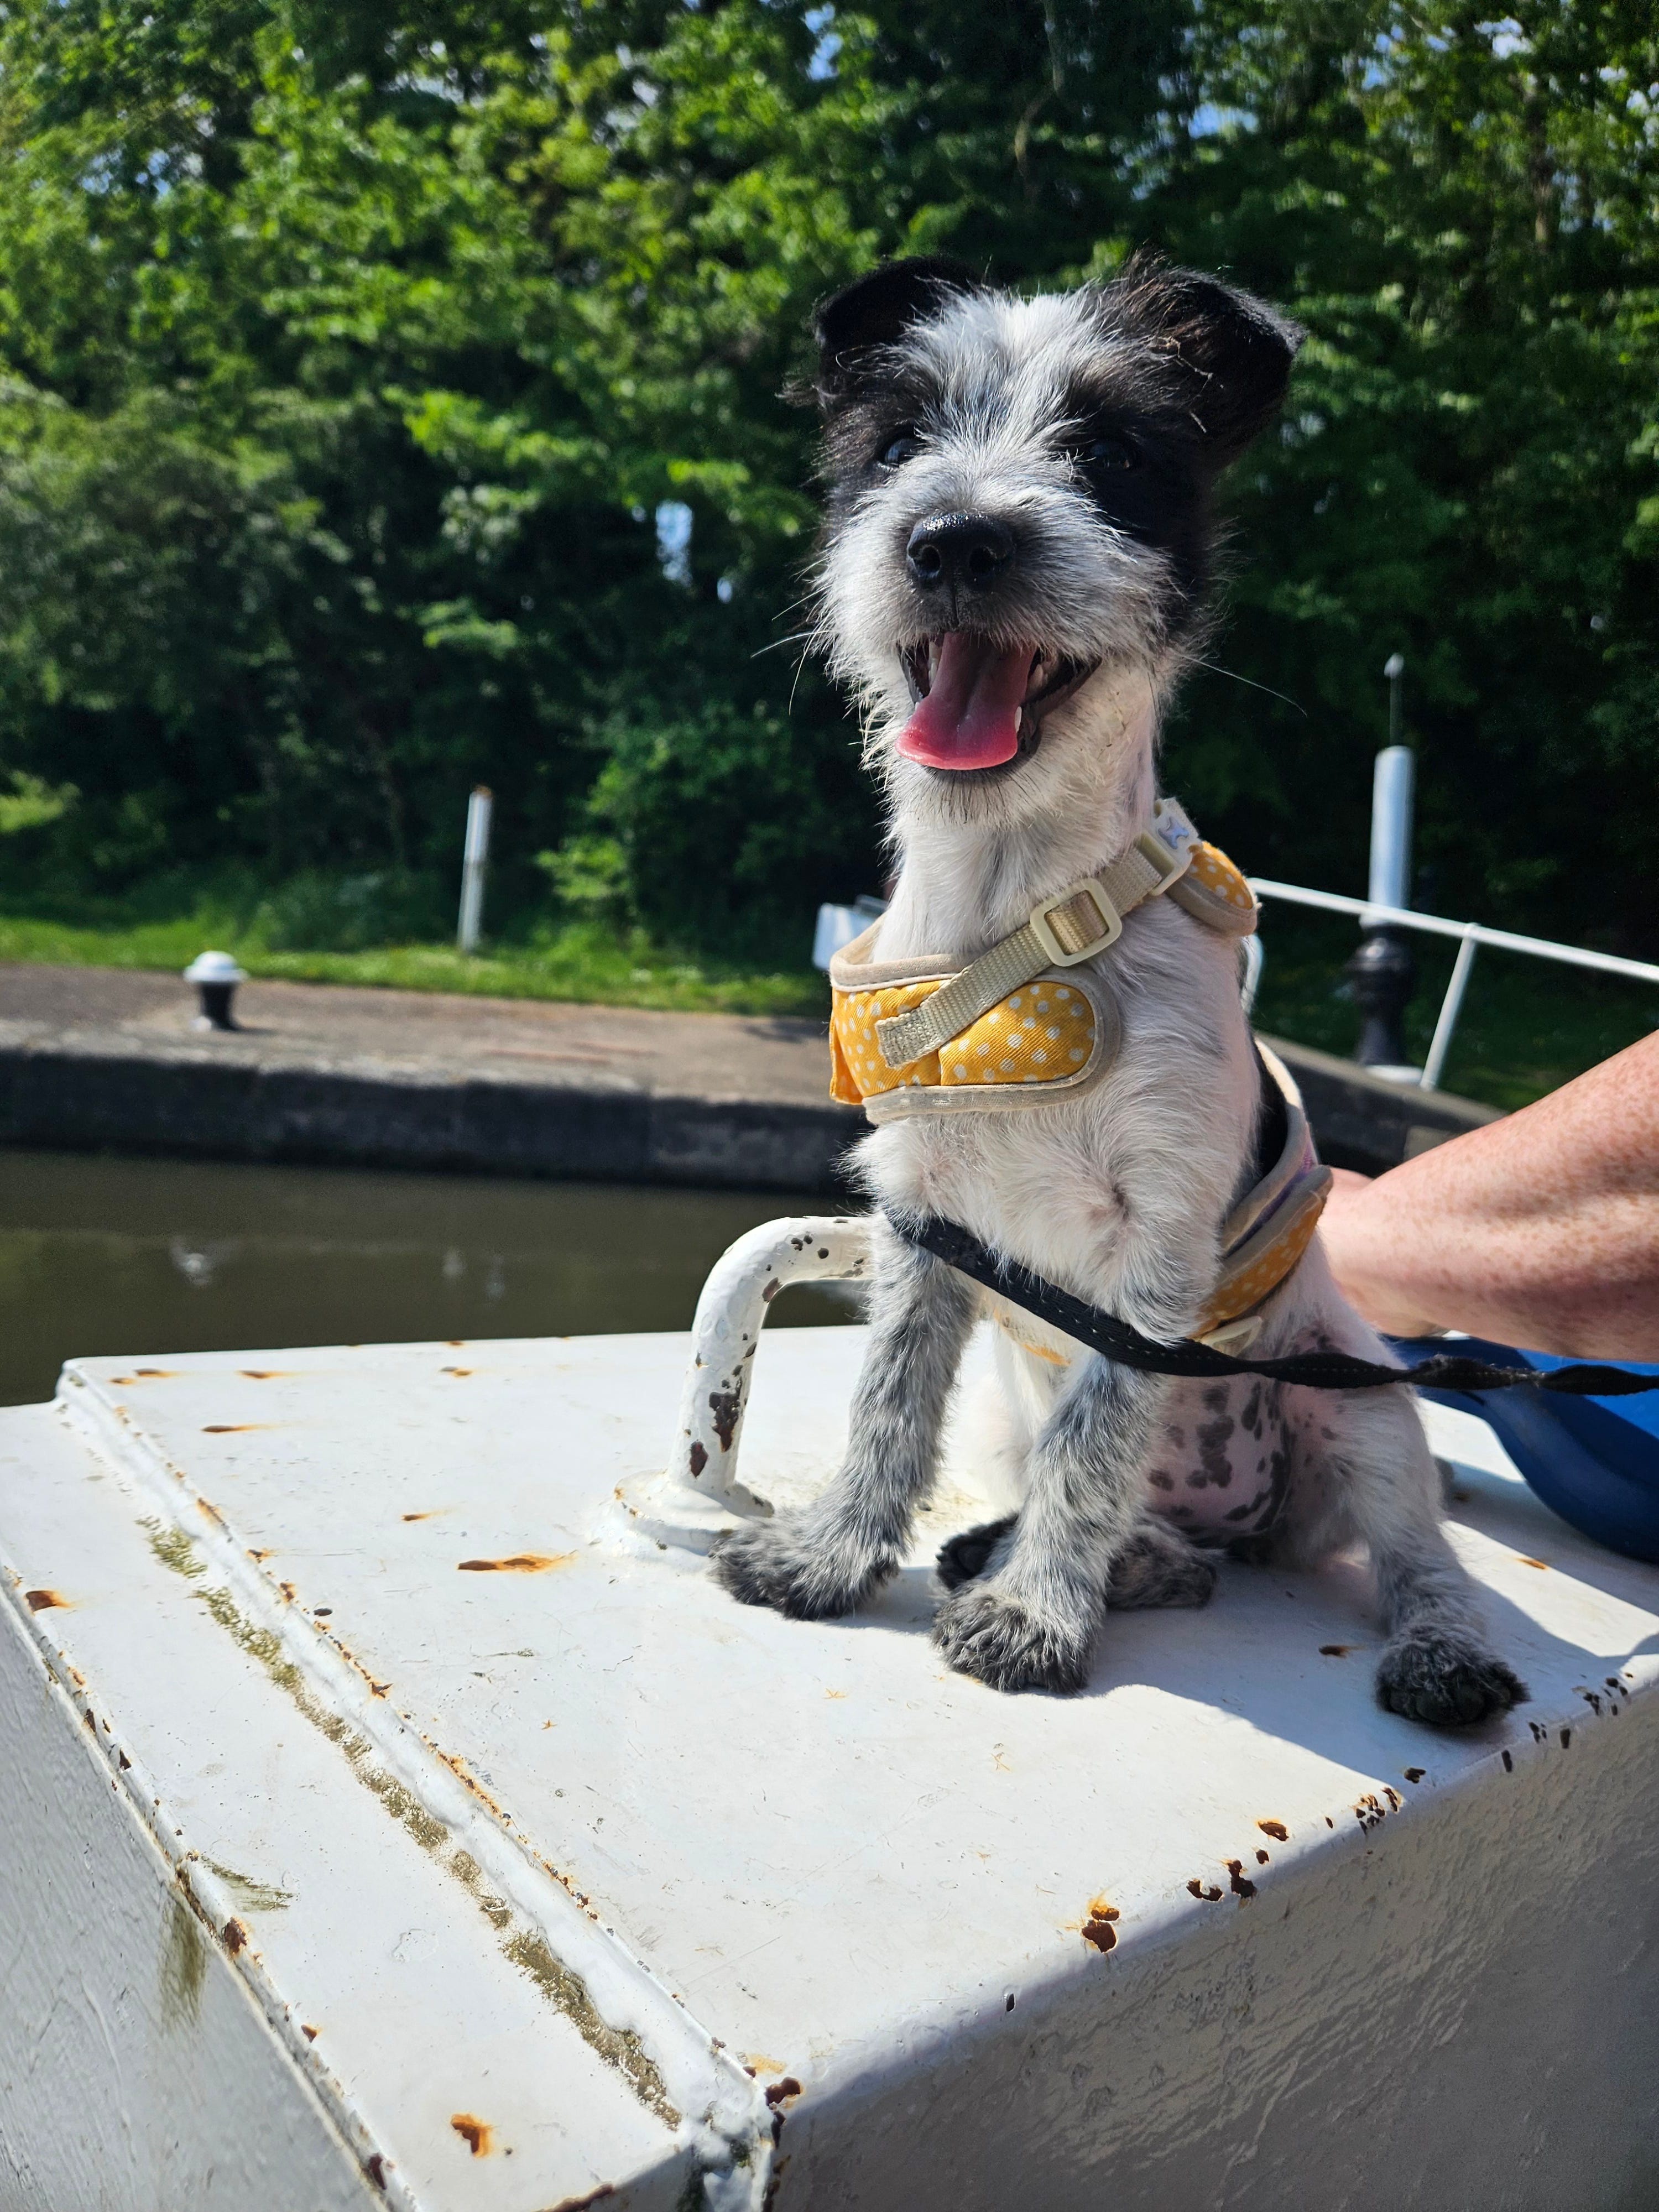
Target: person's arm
{"type": "Point", "coordinates": [1541, 1230]}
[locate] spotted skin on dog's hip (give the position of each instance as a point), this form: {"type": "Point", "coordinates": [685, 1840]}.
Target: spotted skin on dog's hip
{"type": "Point", "coordinates": [1220, 1464]}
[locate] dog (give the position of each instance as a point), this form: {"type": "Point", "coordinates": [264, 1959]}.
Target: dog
{"type": "Point", "coordinates": [1016, 567]}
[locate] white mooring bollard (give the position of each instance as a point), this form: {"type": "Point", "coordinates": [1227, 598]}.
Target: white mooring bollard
{"type": "Point", "coordinates": [1394, 790]}
{"type": "Point", "coordinates": [475, 859]}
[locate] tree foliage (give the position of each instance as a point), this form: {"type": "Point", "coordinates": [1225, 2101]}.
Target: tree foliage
{"type": "Point", "coordinates": [391, 401]}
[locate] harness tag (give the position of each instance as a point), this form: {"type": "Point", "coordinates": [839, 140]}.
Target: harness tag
{"type": "Point", "coordinates": [1171, 821]}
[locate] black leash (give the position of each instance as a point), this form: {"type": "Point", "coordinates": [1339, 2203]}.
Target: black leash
{"type": "Point", "coordinates": [1317, 1371]}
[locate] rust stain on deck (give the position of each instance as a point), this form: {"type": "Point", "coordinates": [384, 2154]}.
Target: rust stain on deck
{"type": "Point", "coordinates": [519, 1562]}
{"type": "Point", "coordinates": [1097, 1928]}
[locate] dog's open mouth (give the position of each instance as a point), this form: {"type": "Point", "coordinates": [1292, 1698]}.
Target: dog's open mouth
{"type": "Point", "coordinates": [979, 705]}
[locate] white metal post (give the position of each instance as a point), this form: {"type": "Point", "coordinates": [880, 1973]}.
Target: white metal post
{"type": "Point", "coordinates": [475, 859]}
{"type": "Point", "coordinates": [1393, 782]}
{"type": "Point", "coordinates": [1381, 971]}
{"type": "Point", "coordinates": [1450, 1006]}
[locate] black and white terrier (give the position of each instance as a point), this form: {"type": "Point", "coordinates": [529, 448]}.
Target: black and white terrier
{"type": "Point", "coordinates": [1016, 560]}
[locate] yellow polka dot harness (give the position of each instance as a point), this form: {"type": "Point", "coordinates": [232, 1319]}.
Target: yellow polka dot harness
{"type": "Point", "coordinates": [1052, 1033]}
{"type": "Point", "coordinates": [1034, 1018]}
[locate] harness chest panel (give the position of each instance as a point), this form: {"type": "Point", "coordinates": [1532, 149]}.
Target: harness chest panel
{"type": "Point", "coordinates": [1058, 1033]}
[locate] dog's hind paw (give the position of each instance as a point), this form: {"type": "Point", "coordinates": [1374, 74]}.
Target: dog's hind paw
{"type": "Point", "coordinates": [772, 1563]}
{"type": "Point", "coordinates": [1445, 1679]}
{"type": "Point", "coordinates": [1159, 1567]}
{"type": "Point", "coordinates": [965, 1557]}
{"type": "Point", "coordinates": [984, 1632]}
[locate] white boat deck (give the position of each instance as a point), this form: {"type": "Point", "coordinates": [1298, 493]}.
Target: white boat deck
{"type": "Point", "coordinates": [384, 1824]}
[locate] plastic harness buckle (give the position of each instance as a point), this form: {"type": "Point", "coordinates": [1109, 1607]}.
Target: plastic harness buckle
{"type": "Point", "coordinates": [1062, 925]}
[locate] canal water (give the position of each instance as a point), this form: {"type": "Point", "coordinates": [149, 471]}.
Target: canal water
{"type": "Point", "coordinates": [132, 1257]}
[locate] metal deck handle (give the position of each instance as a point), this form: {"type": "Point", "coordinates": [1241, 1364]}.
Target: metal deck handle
{"type": "Point", "coordinates": [731, 1313]}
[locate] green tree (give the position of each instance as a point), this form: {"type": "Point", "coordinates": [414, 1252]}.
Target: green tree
{"type": "Point", "coordinates": [393, 401]}
{"type": "Point", "coordinates": [1462, 212]}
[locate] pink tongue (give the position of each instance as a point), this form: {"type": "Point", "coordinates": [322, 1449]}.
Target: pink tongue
{"type": "Point", "coordinates": [970, 717]}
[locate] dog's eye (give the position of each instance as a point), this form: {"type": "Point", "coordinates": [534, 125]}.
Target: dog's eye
{"type": "Point", "coordinates": [1110, 453]}
{"type": "Point", "coordinates": [902, 444]}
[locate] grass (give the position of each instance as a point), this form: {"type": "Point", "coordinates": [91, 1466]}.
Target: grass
{"type": "Point", "coordinates": [1527, 1027]}
{"type": "Point", "coordinates": [580, 961]}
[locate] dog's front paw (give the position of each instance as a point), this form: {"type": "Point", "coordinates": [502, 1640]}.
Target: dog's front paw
{"type": "Point", "coordinates": [984, 1632]}
{"type": "Point", "coordinates": [778, 1564]}
{"type": "Point", "coordinates": [1445, 1679]}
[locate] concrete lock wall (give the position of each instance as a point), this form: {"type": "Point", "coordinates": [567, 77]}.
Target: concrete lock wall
{"type": "Point", "coordinates": [90, 1059]}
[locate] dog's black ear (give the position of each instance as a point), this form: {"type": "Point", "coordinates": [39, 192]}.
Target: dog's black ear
{"type": "Point", "coordinates": [877, 311]}
{"type": "Point", "coordinates": [1237, 349]}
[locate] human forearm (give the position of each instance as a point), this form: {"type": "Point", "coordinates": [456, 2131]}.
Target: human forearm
{"type": "Point", "coordinates": [1541, 1230]}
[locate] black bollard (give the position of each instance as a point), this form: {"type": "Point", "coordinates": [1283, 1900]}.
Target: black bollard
{"type": "Point", "coordinates": [215, 977]}
{"type": "Point", "coordinates": [215, 1005]}
{"type": "Point", "coordinates": [1383, 975]}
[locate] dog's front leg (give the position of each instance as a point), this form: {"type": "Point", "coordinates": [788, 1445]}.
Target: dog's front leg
{"type": "Point", "coordinates": [1438, 1666]}
{"type": "Point", "coordinates": [826, 1558]}
{"type": "Point", "coordinates": [1031, 1624]}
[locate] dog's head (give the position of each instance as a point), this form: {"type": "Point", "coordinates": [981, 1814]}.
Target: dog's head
{"type": "Point", "coordinates": [1018, 516]}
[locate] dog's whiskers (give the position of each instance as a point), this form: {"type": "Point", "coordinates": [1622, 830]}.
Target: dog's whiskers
{"type": "Point", "coordinates": [1249, 682]}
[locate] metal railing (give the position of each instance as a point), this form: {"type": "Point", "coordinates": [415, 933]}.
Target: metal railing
{"type": "Point", "coordinates": [1471, 935]}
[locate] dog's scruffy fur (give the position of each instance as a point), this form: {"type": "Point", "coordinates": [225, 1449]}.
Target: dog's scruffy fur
{"type": "Point", "coordinates": [1091, 426]}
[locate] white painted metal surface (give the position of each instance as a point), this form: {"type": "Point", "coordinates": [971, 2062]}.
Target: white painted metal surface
{"type": "Point", "coordinates": [378, 1829]}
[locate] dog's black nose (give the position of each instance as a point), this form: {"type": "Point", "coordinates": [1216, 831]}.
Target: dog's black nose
{"type": "Point", "coordinates": [954, 552]}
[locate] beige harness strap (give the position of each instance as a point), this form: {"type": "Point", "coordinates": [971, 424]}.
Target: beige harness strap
{"type": "Point", "coordinates": [1073, 926]}
{"type": "Point", "coordinates": [1265, 1235]}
